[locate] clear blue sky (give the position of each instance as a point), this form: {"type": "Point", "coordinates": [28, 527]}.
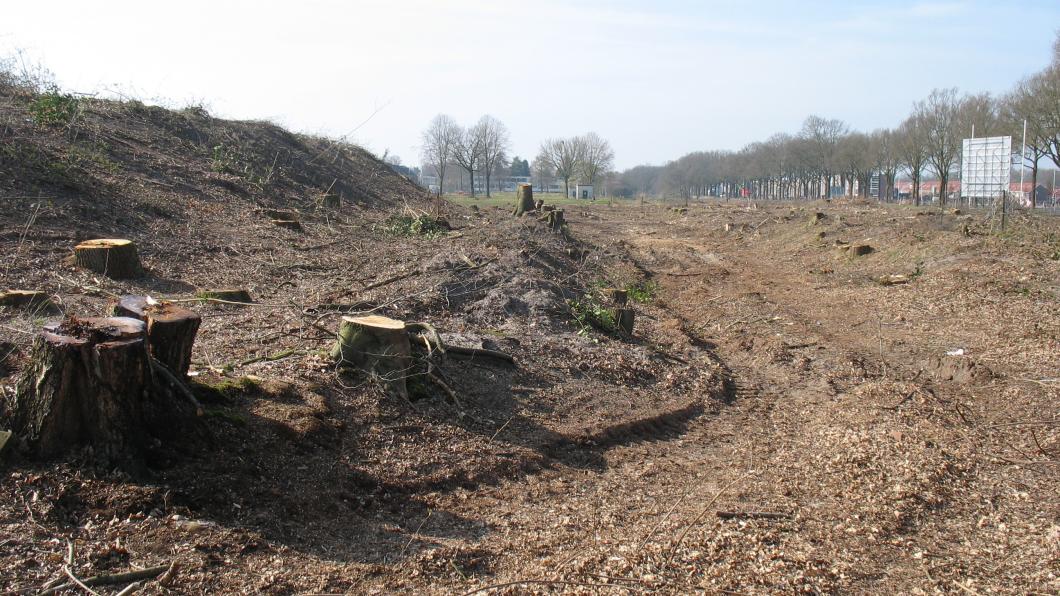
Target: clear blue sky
{"type": "Point", "coordinates": [658, 79]}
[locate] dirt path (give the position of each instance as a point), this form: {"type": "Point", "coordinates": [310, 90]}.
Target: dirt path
{"type": "Point", "coordinates": [843, 463]}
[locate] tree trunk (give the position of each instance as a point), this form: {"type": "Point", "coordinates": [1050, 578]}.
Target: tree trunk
{"type": "Point", "coordinates": [524, 199]}
{"type": "Point", "coordinates": [114, 258]}
{"type": "Point", "coordinates": [1034, 183]}
{"type": "Point", "coordinates": [624, 318]}
{"type": "Point", "coordinates": [87, 383]}
{"type": "Point", "coordinates": [170, 330]}
{"type": "Point", "coordinates": [376, 344]}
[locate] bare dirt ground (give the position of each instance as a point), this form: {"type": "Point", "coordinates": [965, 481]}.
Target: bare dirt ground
{"type": "Point", "coordinates": [780, 421]}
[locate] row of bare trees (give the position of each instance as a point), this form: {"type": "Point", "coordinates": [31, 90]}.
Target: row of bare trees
{"type": "Point", "coordinates": [482, 149]}
{"type": "Point", "coordinates": [476, 149]}
{"type": "Point", "coordinates": [825, 154]}
{"type": "Point", "coordinates": [583, 158]}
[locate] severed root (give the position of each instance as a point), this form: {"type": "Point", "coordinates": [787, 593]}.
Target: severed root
{"type": "Point", "coordinates": [431, 335]}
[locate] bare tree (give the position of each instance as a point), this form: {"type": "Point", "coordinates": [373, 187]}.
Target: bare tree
{"type": "Point", "coordinates": [824, 135]}
{"type": "Point", "coordinates": [468, 152]}
{"type": "Point", "coordinates": [597, 156]}
{"type": "Point", "coordinates": [1044, 88]}
{"type": "Point", "coordinates": [854, 155]}
{"type": "Point", "coordinates": [562, 156]}
{"type": "Point", "coordinates": [439, 145]}
{"type": "Point", "coordinates": [886, 148]}
{"type": "Point", "coordinates": [940, 116]}
{"type": "Point", "coordinates": [912, 150]}
{"type": "Point", "coordinates": [493, 137]}
{"type": "Point", "coordinates": [1027, 104]}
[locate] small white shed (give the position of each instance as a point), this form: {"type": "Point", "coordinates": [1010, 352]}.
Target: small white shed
{"type": "Point", "coordinates": [582, 191]}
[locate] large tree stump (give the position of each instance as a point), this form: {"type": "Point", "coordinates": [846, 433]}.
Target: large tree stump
{"type": "Point", "coordinates": [524, 199]}
{"type": "Point", "coordinates": [171, 330]}
{"type": "Point", "coordinates": [114, 258]}
{"type": "Point", "coordinates": [376, 344]}
{"type": "Point", "coordinates": [88, 383]}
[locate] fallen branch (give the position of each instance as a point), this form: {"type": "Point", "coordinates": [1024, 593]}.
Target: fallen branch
{"type": "Point", "coordinates": [702, 513]}
{"type": "Point", "coordinates": [107, 579]}
{"type": "Point", "coordinates": [753, 515]}
{"type": "Point", "coordinates": [473, 352]}
{"type": "Point", "coordinates": [392, 279]}
{"type": "Point", "coordinates": [445, 387]}
{"type": "Point", "coordinates": [551, 582]}
{"type": "Point", "coordinates": [130, 589]}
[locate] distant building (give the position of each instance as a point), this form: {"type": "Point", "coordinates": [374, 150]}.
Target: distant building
{"type": "Point", "coordinates": [582, 191]}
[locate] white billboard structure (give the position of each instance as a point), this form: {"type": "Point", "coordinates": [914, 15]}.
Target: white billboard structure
{"type": "Point", "coordinates": [986, 168]}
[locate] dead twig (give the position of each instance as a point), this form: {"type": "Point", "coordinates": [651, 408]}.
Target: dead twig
{"type": "Point", "coordinates": [107, 579]}
{"type": "Point", "coordinates": [753, 515]}
{"type": "Point", "coordinates": [393, 279]}
{"type": "Point", "coordinates": [552, 582]}
{"type": "Point", "coordinates": [472, 352]}
{"type": "Point", "coordinates": [680, 539]}
{"type": "Point", "coordinates": [76, 581]}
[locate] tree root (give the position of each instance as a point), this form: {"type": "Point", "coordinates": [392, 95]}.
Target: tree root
{"type": "Point", "coordinates": [181, 388]}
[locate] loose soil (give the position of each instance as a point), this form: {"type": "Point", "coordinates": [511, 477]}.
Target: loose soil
{"type": "Point", "coordinates": [780, 420]}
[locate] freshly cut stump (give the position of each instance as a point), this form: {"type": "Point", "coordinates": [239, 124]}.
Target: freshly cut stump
{"type": "Point", "coordinates": [376, 344]}
{"type": "Point", "coordinates": [170, 330]}
{"type": "Point", "coordinates": [88, 383]}
{"type": "Point", "coordinates": [228, 295]}
{"type": "Point", "coordinates": [524, 199]}
{"type": "Point", "coordinates": [112, 257]}
{"type": "Point", "coordinates": [624, 318]}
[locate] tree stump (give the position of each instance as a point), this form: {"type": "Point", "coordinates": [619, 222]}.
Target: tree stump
{"type": "Point", "coordinates": [226, 295]}
{"type": "Point", "coordinates": [170, 330]}
{"type": "Point", "coordinates": [524, 199]}
{"type": "Point", "coordinates": [114, 258]}
{"type": "Point", "coordinates": [615, 296]}
{"type": "Point", "coordinates": [88, 383]}
{"type": "Point", "coordinates": [554, 219]}
{"type": "Point", "coordinates": [376, 344]}
{"type": "Point", "coordinates": [624, 318]}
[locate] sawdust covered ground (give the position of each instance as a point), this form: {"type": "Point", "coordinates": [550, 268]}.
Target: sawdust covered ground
{"type": "Point", "coordinates": [781, 421]}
